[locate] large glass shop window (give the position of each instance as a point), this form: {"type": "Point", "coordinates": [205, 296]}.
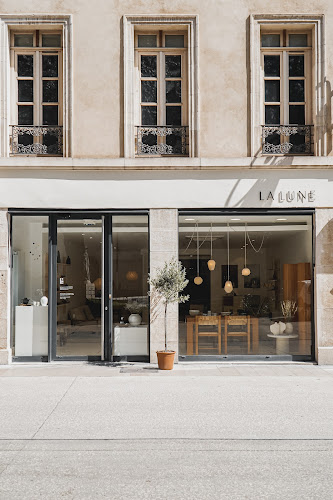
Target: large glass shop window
{"type": "Point", "coordinates": [250, 285]}
{"type": "Point", "coordinates": [29, 286]}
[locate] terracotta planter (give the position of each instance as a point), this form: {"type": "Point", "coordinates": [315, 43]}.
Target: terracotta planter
{"type": "Point", "coordinates": [165, 359]}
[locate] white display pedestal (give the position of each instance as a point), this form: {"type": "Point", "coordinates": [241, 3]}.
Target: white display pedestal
{"type": "Point", "coordinates": [282, 342]}
{"type": "Point", "coordinates": [130, 340]}
{"type": "Point", "coordinates": [31, 331]}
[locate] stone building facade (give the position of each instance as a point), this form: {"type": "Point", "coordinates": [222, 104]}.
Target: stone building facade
{"type": "Point", "coordinates": [156, 131]}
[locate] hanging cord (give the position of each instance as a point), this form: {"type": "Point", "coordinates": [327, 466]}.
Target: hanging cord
{"type": "Point", "coordinates": [228, 252]}
{"type": "Point", "coordinates": [245, 245]}
{"type": "Point", "coordinates": [211, 240]}
{"type": "Point", "coordinates": [192, 238]}
{"type": "Point", "coordinates": [261, 244]}
{"type": "Point", "coordinates": [197, 249]}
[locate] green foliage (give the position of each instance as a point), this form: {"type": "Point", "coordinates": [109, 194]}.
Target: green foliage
{"type": "Point", "coordinates": [169, 281]}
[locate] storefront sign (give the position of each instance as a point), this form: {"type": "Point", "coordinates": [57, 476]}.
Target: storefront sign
{"type": "Point", "coordinates": [288, 196]}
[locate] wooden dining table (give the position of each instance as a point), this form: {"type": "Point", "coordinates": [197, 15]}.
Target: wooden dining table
{"type": "Point", "coordinates": [190, 322]}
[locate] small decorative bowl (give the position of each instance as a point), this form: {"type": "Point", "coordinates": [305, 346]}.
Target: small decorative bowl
{"type": "Point", "coordinates": [194, 312]}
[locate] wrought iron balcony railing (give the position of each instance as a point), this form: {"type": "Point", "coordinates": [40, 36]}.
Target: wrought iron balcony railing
{"type": "Point", "coordinates": [36, 140]}
{"type": "Point", "coordinates": [161, 140]}
{"type": "Point", "coordinates": [287, 139]}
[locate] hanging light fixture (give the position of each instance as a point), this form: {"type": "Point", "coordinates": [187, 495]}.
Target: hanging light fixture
{"type": "Point", "coordinates": [211, 263]}
{"type": "Point", "coordinates": [228, 285]}
{"type": "Point", "coordinates": [245, 271]}
{"type": "Point", "coordinates": [198, 280]}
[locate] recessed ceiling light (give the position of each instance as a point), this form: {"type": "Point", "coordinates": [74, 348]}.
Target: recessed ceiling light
{"type": "Point", "coordinates": [83, 234]}
{"type": "Point", "coordinates": [281, 219]}
{"type": "Point", "coordinates": [235, 219]}
{"type": "Point", "coordinates": [189, 219]}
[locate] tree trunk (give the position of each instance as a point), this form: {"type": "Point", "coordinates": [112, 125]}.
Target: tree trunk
{"type": "Point", "coordinates": [165, 325]}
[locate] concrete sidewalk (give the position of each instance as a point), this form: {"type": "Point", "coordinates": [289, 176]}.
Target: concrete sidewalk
{"type": "Point", "coordinates": [201, 431]}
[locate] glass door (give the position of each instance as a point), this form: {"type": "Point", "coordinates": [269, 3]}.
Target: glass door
{"type": "Point", "coordinates": [79, 287]}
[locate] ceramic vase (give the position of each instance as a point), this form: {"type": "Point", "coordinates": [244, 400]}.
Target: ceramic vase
{"type": "Point", "coordinates": [289, 328]}
{"type": "Point", "coordinates": [134, 319]}
{"type": "Point", "coordinates": [277, 328]}
{"type": "Point", "coordinates": [44, 301]}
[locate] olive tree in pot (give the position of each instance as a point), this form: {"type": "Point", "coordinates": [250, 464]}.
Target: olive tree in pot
{"type": "Point", "coordinates": [166, 286]}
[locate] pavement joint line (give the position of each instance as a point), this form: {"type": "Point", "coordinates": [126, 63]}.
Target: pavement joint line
{"type": "Point", "coordinates": [165, 439]}
{"type": "Point", "coordinates": [56, 406]}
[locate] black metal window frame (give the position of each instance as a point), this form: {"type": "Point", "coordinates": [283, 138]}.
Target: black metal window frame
{"type": "Point", "coordinates": [106, 217]}
{"type": "Point", "coordinates": [262, 212]}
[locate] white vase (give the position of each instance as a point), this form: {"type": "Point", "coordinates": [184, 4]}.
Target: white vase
{"type": "Point", "coordinates": [282, 327]}
{"type": "Point", "coordinates": [134, 319]}
{"type": "Point", "coordinates": [275, 328]}
{"type": "Point", "coordinates": [289, 328]}
{"type": "Point", "coordinates": [44, 301]}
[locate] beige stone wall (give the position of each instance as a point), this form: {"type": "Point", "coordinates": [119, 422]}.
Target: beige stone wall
{"type": "Point", "coordinates": [223, 66]}
{"type": "Point", "coordinates": [324, 286]}
{"type": "Point", "coordinates": [163, 246]}
{"type": "Point", "coordinates": [4, 290]}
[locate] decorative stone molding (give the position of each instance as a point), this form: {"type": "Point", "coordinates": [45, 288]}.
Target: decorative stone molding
{"type": "Point", "coordinates": [8, 22]}
{"type": "Point", "coordinates": [316, 23]}
{"type": "Point", "coordinates": [191, 24]}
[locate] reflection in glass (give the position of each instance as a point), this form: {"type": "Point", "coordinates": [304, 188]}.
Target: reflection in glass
{"type": "Point", "coordinates": [25, 65]}
{"type": "Point", "coordinates": [272, 115]}
{"type": "Point", "coordinates": [296, 65]}
{"type": "Point", "coordinates": [172, 66]}
{"type": "Point", "coordinates": [173, 91]}
{"type": "Point", "coordinates": [272, 65]}
{"type": "Point", "coordinates": [79, 287]}
{"type": "Point", "coordinates": [50, 115]}
{"type": "Point", "coordinates": [149, 91]}
{"type": "Point", "coordinates": [148, 66]}
{"type": "Point", "coordinates": [272, 90]}
{"type": "Point", "coordinates": [25, 90]}
{"type": "Point", "coordinates": [148, 115]}
{"type": "Point", "coordinates": [29, 284]}
{"type": "Point", "coordinates": [298, 40]}
{"type": "Point", "coordinates": [275, 296]}
{"type": "Point", "coordinates": [147, 41]}
{"type": "Point", "coordinates": [297, 114]}
{"type": "Point", "coordinates": [173, 115]}
{"type": "Point", "coordinates": [25, 115]}
{"type": "Point", "coordinates": [50, 66]}
{"type": "Point", "coordinates": [23, 40]}
{"type": "Point", "coordinates": [130, 287]}
{"type": "Point", "coordinates": [270, 40]}
{"type": "Point", "coordinates": [174, 41]}
{"type": "Point", "coordinates": [296, 90]}
{"type": "Point", "coordinates": [51, 40]}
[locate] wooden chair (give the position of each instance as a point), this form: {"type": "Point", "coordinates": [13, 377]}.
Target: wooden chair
{"type": "Point", "coordinates": [230, 322]}
{"type": "Point", "coordinates": [204, 321]}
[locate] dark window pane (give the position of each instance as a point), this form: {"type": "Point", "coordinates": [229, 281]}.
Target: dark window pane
{"type": "Point", "coordinates": [175, 140]}
{"type": "Point", "coordinates": [272, 65]}
{"type": "Point", "coordinates": [51, 141]}
{"type": "Point", "coordinates": [23, 40]}
{"type": "Point", "coordinates": [296, 65]}
{"type": "Point", "coordinates": [173, 115]}
{"type": "Point", "coordinates": [25, 115]}
{"type": "Point", "coordinates": [148, 66]}
{"type": "Point", "coordinates": [50, 115]}
{"type": "Point", "coordinates": [296, 91]}
{"type": "Point", "coordinates": [274, 139]}
{"type": "Point", "coordinates": [298, 142]}
{"type": "Point", "coordinates": [50, 91]}
{"type": "Point", "coordinates": [149, 140]}
{"type": "Point", "coordinates": [25, 65]}
{"type": "Point", "coordinates": [270, 40]}
{"type": "Point", "coordinates": [25, 91]}
{"type": "Point", "coordinates": [147, 41]}
{"type": "Point", "coordinates": [50, 66]}
{"type": "Point", "coordinates": [173, 91]}
{"type": "Point", "coordinates": [272, 90]}
{"type": "Point", "coordinates": [25, 139]}
{"type": "Point", "coordinates": [149, 115]}
{"type": "Point", "coordinates": [297, 115]}
{"type": "Point", "coordinates": [174, 41]}
{"type": "Point", "coordinates": [148, 91]}
{"type": "Point", "coordinates": [173, 67]}
{"type": "Point", "coordinates": [298, 40]}
{"type": "Point", "coordinates": [272, 115]}
{"type": "Point", "coordinates": [51, 40]}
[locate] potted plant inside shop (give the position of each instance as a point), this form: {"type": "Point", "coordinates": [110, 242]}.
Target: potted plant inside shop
{"type": "Point", "coordinates": [135, 306]}
{"type": "Point", "coordinates": [289, 309]}
{"type": "Point", "coordinates": [166, 286]}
